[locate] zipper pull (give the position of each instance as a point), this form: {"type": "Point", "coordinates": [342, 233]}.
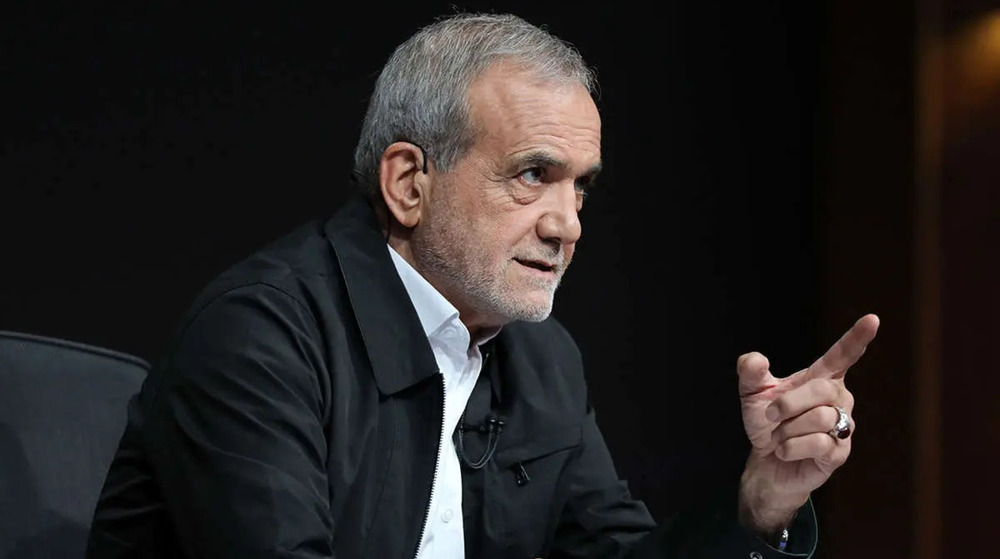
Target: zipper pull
{"type": "Point", "coordinates": [521, 475]}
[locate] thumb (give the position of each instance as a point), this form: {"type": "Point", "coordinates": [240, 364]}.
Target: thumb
{"type": "Point", "coordinates": [754, 373]}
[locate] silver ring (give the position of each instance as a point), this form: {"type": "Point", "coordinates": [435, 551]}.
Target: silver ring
{"type": "Point", "coordinates": [843, 428]}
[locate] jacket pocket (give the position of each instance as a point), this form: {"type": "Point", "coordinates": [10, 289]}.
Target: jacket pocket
{"type": "Point", "coordinates": [524, 489]}
{"type": "Point", "coordinates": [539, 446]}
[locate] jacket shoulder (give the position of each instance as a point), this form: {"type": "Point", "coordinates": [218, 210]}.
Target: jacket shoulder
{"type": "Point", "coordinates": [297, 270]}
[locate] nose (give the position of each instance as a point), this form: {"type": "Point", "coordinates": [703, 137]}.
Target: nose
{"type": "Point", "coordinates": [561, 221]}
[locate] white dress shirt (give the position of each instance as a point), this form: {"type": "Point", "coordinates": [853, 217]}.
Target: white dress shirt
{"type": "Point", "coordinates": [459, 362]}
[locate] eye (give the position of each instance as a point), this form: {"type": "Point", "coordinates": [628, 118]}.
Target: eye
{"type": "Point", "coordinates": [532, 175]}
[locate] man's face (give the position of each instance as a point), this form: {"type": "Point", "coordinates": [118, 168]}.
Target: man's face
{"type": "Point", "coordinates": [499, 229]}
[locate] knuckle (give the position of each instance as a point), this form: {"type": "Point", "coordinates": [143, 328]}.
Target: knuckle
{"type": "Point", "coordinates": [784, 450]}
{"type": "Point", "coordinates": [848, 400]}
{"type": "Point", "coordinates": [780, 433]}
{"type": "Point", "coordinates": [839, 458]}
{"type": "Point", "coordinates": [781, 404]}
{"type": "Point", "coordinates": [826, 390]}
{"type": "Point", "coordinates": [827, 446]}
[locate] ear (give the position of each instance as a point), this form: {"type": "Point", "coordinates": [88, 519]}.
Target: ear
{"type": "Point", "coordinates": [403, 182]}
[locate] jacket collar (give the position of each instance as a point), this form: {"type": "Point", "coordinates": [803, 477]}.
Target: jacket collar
{"type": "Point", "coordinates": [393, 336]}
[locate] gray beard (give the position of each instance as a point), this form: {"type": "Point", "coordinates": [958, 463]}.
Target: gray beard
{"type": "Point", "coordinates": [483, 290]}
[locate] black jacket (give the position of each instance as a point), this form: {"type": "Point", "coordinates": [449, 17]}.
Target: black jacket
{"type": "Point", "coordinates": [298, 413]}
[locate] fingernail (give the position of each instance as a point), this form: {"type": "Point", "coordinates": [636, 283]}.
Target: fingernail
{"type": "Point", "coordinates": [771, 413]}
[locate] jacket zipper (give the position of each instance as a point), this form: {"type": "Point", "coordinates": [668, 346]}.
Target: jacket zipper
{"type": "Point", "coordinates": [437, 465]}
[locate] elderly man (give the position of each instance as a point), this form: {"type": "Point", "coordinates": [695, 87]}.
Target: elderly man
{"type": "Point", "coordinates": [388, 383]}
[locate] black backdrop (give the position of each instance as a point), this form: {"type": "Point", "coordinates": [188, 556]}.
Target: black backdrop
{"type": "Point", "coordinates": [146, 149]}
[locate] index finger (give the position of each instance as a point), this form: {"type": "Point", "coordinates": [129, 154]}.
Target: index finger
{"type": "Point", "coordinates": [848, 349]}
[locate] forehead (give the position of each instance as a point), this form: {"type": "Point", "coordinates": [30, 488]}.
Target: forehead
{"type": "Point", "coordinates": [515, 112]}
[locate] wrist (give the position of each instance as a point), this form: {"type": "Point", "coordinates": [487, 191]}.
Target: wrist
{"type": "Point", "coordinates": [766, 515]}
{"type": "Point", "coordinates": [772, 529]}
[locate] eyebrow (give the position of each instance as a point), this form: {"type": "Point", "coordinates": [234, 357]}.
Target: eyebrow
{"type": "Point", "coordinates": [543, 159]}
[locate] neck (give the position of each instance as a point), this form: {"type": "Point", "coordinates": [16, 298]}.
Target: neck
{"type": "Point", "coordinates": [477, 323]}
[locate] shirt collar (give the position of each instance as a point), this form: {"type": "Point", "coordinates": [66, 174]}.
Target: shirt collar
{"type": "Point", "coordinates": [435, 312]}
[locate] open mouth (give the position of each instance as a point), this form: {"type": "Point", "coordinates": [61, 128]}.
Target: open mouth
{"type": "Point", "coordinates": [536, 264]}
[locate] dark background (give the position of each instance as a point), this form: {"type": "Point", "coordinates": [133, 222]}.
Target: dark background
{"type": "Point", "coordinates": [144, 150]}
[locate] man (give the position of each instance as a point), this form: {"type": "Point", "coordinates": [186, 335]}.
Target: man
{"type": "Point", "coordinates": [389, 383]}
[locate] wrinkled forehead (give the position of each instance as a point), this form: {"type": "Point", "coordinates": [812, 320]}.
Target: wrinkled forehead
{"type": "Point", "coordinates": [512, 110]}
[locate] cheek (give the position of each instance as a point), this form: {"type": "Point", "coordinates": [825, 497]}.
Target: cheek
{"type": "Point", "coordinates": [517, 231]}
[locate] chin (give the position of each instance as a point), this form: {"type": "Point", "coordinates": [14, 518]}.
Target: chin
{"type": "Point", "coordinates": [538, 317]}
{"type": "Point", "coordinates": [532, 309]}
{"type": "Point", "coordinates": [520, 301]}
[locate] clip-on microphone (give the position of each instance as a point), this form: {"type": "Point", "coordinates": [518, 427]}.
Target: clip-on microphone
{"type": "Point", "coordinates": [493, 425]}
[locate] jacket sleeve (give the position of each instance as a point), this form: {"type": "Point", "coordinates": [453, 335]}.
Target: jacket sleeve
{"type": "Point", "coordinates": [602, 520]}
{"type": "Point", "coordinates": [235, 434]}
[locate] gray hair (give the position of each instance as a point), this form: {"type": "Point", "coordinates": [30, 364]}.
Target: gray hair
{"type": "Point", "coordinates": [421, 95]}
